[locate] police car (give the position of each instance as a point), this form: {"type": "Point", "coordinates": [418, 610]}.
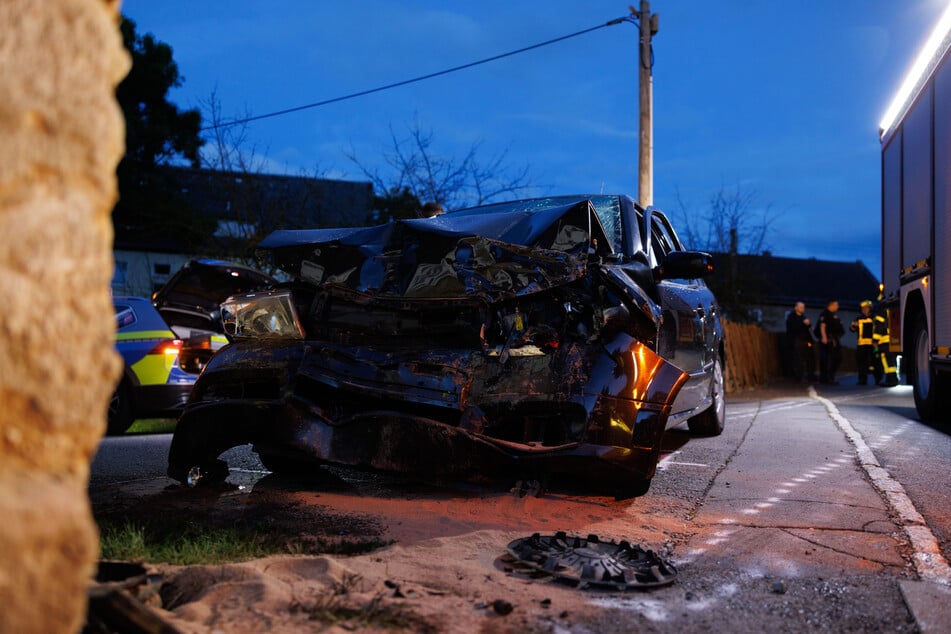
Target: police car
{"type": "Point", "coordinates": [166, 341]}
{"type": "Point", "coordinates": [154, 383]}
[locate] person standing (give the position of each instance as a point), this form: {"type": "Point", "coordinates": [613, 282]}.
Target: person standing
{"type": "Point", "coordinates": [830, 331]}
{"type": "Point", "coordinates": [801, 343]}
{"type": "Point", "coordinates": [886, 361]}
{"type": "Point", "coordinates": [864, 329]}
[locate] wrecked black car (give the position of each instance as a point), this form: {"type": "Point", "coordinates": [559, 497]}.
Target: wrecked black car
{"type": "Point", "coordinates": [521, 339]}
{"type": "Point", "coordinates": [165, 343]}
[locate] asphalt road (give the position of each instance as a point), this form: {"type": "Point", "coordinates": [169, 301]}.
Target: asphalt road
{"type": "Point", "coordinates": [792, 520]}
{"type": "Point", "coordinates": [137, 463]}
{"type": "Point", "coordinates": [916, 454]}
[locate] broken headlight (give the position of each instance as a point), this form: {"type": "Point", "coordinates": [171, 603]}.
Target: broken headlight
{"type": "Point", "coordinates": [265, 314]}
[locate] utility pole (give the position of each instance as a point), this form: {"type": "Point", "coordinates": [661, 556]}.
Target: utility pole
{"type": "Point", "coordinates": [649, 25]}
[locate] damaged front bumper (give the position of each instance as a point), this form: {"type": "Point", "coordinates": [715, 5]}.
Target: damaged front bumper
{"type": "Point", "coordinates": [595, 409]}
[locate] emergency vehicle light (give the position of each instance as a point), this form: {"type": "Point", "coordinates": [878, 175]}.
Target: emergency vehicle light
{"type": "Point", "coordinates": [917, 72]}
{"type": "Point", "coordinates": [169, 346]}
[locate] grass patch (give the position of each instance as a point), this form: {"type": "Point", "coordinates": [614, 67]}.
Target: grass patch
{"type": "Point", "coordinates": [198, 542]}
{"type": "Point", "coordinates": [153, 426]}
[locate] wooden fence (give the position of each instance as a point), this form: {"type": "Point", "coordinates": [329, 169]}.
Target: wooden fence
{"type": "Point", "coordinates": [752, 356]}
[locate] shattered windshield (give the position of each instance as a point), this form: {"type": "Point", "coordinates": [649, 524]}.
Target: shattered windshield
{"type": "Point", "coordinates": [608, 208]}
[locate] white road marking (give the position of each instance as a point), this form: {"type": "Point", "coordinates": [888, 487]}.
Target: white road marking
{"type": "Point", "coordinates": [929, 562]}
{"type": "Point", "coordinates": [667, 460]}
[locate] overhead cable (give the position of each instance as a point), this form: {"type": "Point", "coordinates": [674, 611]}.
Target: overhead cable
{"type": "Point", "coordinates": [317, 104]}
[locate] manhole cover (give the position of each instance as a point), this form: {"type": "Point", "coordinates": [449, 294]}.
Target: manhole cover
{"type": "Point", "coordinates": [590, 561]}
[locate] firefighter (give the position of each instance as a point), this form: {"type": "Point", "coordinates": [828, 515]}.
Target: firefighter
{"type": "Point", "coordinates": [864, 329]}
{"type": "Point", "coordinates": [886, 361]}
{"type": "Point", "coordinates": [880, 346]}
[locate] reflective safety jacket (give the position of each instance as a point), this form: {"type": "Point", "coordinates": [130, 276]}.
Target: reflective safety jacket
{"type": "Point", "coordinates": [864, 327]}
{"type": "Point", "coordinates": [880, 330]}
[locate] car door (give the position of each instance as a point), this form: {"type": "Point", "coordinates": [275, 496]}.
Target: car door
{"type": "Point", "coordinates": [687, 329]}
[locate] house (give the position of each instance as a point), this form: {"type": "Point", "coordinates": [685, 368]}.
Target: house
{"type": "Point", "coordinates": [238, 209]}
{"type": "Point", "coordinates": [770, 286]}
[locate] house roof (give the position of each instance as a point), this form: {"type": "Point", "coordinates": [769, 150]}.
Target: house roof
{"type": "Point", "coordinates": [285, 201]}
{"type": "Point", "coordinates": [782, 281]}
{"type": "Point", "coordinates": [267, 201]}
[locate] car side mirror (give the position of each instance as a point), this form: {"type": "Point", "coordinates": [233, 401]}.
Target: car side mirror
{"type": "Point", "coordinates": [686, 265]}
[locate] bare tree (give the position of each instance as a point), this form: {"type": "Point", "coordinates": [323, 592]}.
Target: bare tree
{"type": "Point", "coordinates": [734, 227]}
{"type": "Point", "coordinates": [414, 167]}
{"type": "Point", "coordinates": [229, 151]}
{"type": "Point", "coordinates": [253, 204]}
{"type": "Point", "coordinates": [733, 222]}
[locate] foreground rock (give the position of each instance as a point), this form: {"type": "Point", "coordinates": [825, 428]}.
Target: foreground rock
{"type": "Point", "coordinates": [62, 137]}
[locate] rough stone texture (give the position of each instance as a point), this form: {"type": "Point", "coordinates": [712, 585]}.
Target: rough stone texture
{"type": "Point", "coordinates": [62, 133]}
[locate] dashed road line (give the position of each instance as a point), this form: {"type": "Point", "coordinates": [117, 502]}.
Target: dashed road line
{"type": "Point", "coordinates": [929, 562]}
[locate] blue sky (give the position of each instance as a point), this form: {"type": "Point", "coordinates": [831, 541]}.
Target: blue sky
{"type": "Point", "coordinates": [780, 99]}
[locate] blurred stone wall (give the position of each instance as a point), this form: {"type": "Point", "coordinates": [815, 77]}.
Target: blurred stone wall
{"type": "Point", "coordinates": [62, 136]}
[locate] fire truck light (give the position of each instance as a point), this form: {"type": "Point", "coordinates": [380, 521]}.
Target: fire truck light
{"type": "Point", "coordinates": [916, 72]}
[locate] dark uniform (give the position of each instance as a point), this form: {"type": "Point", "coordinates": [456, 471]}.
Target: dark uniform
{"type": "Point", "coordinates": [864, 329]}
{"type": "Point", "coordinates": [801, 342]}
{"type": "Point", "coordinates": [830, 352]}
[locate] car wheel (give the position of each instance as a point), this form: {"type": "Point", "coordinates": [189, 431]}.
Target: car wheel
{"type": "Point", "coordinates": [710, 421]}
{"type": "Point", "coordinates": [120, 415]}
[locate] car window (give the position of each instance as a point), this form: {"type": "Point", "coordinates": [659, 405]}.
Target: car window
{"type": "Point", "coordinates": [125, 316]}
{"type": "Point", "coordinates": [660, 242]}
{"type": "Point", "coordinates": [608, 209]}
{"type": "Point", "coordinates": [663, 241]}
{"type": "Point", "coordinates": [663, 238]}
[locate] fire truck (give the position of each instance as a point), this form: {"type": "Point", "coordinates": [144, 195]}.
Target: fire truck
{"type": "Point", "coordinates": [916, 223]}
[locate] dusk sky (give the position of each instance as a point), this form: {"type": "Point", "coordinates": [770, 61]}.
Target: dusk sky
{"type": "Point", "coordinates": [780, 99]}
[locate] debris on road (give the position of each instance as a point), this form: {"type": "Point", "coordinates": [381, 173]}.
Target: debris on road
{"type": "Point", "coordinates": [592, 562]}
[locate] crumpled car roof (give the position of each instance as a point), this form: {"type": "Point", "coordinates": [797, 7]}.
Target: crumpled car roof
{"type": "Point", "coordinates": [522, 227]}
{"type": "Point", "coordinates": [465, 253]}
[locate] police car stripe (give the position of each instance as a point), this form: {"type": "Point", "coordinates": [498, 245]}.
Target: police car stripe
{"type": "Point", "coordinates": [141, 335]}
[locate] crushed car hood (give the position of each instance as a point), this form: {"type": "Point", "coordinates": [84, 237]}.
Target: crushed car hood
{"type": "Point", "coordinates": [492, 256]}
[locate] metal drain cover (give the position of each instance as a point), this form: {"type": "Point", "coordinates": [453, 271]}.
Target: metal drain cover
{"type": "Point", "coordinates": [590, 561]}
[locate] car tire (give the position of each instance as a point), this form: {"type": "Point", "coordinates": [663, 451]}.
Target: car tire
{"type": "Point", "coordinates": [929, 387]}
{"type": "Point", "coordinates": [120, 416]}
{"type": "Point", "coordinates": [710, 421]}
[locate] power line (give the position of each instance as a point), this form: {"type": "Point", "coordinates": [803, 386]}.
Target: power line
{"type": "Point", "coordinates": [405, 82]}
